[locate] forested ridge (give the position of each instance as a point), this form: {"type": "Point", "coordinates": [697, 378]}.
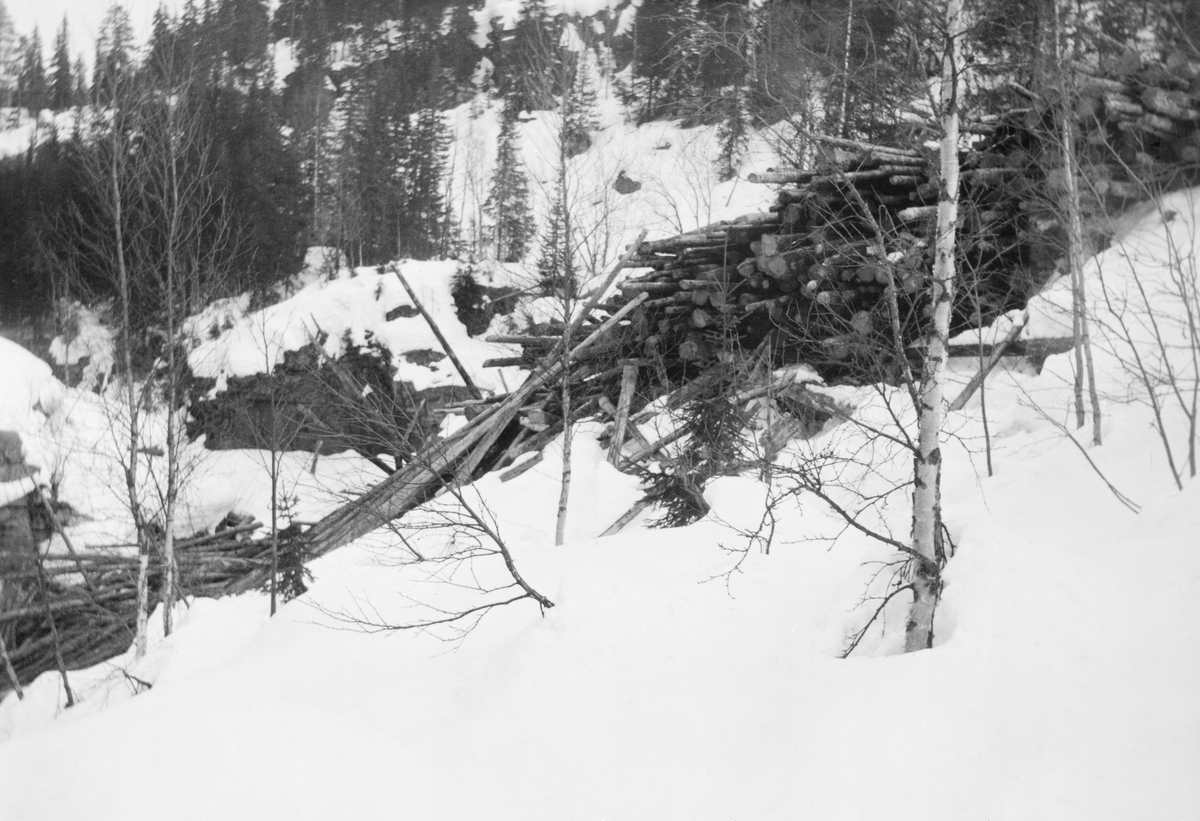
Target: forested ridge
{"type": "Point", "coordinates": [351, 148]}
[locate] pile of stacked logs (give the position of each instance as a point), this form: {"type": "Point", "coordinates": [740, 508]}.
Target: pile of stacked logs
{"type": "Point", "coordinates": [810, 273]}
{"type": "Point", "coordinates": [1140, 124]}
{"type": "Point", "coordinates": [808, 276]}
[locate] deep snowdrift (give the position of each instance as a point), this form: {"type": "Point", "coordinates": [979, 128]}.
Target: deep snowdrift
{"type": "Point", "coordinates": [676, 677]}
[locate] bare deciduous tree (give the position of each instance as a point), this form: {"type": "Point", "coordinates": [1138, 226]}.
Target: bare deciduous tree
{"type": "Point", "coordinates": [931, 403]}
{"type": "Point", "coordinates": [155, 228]}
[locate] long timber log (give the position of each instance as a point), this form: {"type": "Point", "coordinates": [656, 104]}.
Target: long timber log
{"type": "Point", "coordinates": [427, 473]}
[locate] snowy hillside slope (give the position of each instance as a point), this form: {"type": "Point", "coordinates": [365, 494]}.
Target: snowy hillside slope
{"type": "Point", "coordinates": [74, 434]}
{"type": "Point", "coordinates": [677, 677]}
{"type": "Point", "coordinates": [19, 130]}
{"type": "Point", "coordinates": [680, 186]}
{"type": "Point", "coordinates": [680, 190]}
{"type": "Point", "coordinates": [351, 306]}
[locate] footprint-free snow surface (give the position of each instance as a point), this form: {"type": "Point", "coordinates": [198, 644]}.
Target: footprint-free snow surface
{"type": "Point", "coordinates": [687, 673]}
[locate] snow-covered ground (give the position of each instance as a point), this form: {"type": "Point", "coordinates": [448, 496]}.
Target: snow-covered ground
{"type": "Point", "coordinates": [1063, 684]}
{"type": "Point", "coordinates": [679, 675]}
{"type": "Point", "coordinates": [19, 130]}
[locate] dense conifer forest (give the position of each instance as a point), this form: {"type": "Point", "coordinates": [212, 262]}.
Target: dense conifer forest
{"type": "Point", "coordinates": [351, 149]}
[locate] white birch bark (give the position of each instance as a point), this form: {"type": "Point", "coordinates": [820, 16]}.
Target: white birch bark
{"type": "Point", "coordinates": [568, 305]}
{"type": "Point", "coordinates": [841, 128]}
{"type": "Point", "coordinates": [134, 440]}
{"type": "Point", "coordinates": [174, 446]}
{"type": "Point", "coordinates": [560, 525]}
{"type": "Point", "coordinates": [931, 411]}
{"type": "Point", "coordinates": [1084, 364]}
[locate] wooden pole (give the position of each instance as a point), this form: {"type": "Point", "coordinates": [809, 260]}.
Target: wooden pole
{"type": "Point", "coordinates": [458, 455]}
{"type": "Point", "coordinates": [462, 371]}
{"type": "Point", "coordinates": [960, 401]}
{"type": "Point", "coordinates": [8, 668]}
{"type": "Point", "coordinates": [58, 656]}
{"type": "Point", "coordinates": [627, 517]}
{"type": "Point", "coordinates": [57, 525]}
{"type": "Point", "coordinates": [629, 375]}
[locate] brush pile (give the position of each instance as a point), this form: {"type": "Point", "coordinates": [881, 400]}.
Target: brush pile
{"type": "Point", "coordinates": [83, 605]}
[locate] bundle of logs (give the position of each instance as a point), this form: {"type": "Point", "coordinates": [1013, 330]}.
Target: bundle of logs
{"type": "Point", "coordinates": [73, 608]}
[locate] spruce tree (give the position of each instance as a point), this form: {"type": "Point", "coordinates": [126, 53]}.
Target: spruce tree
{"type": "Point", "coordinates": [733, 133]}
{"type": "Point", "coordinates": [266, 193]}
{"type": "Point", "coordinates": [508, 200]}
{"type": "Point", "coordinates": [377, 136]}
{"type": "Point", "coordinates": [459, 54]}
{"type": "Point", "coordinates": [425, 229]}
{"type": "Point", "coordinates": [655, 33]}
{"type": "Point", "coordinates": [578, 103]}
{"type": "Point", "coordinates": [681, 93]}
{"type": "Point", "coordinates": [114, 48]}
{"type": "Point", "coordinates": [32, 92]}
{"type": "Point", "coordinates": [556, 263]}
{"type": "Point", "coordinates": [10, 58]}
{"type": "Point", "coordinates": [62, 81]}
{"type": "Point", "coordinates": [497, 51]}
{"type": "Point", "coordinates": [242, 30]}
{"type": "Point", "coordinates": [81, 83]}
{"type": "Point", "coordinates": [535, 55]}
{"type": "Point", "coordinates": [162, 62]}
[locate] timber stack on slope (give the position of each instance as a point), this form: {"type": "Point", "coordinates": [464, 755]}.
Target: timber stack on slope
{"type": "Point", "coordinates": [1140, 125]}
{"type": "Point", "coordinates": [811, 272]}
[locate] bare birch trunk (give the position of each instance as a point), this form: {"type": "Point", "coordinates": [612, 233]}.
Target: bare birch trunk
{"type": "Point", "coordinates": [560, 527]}
{"type": "Point", "coordinates": [751, 44]}
{"type": "Point", "coordinates": [1084, 363]}
{"type": "Point", "coordinates": [173, 445]}
{"type": "Point", "coordinates": [570, 284]}
{"type": "Point", "coordinates": [168, 561]}
{"type": "Point", "coordinates": [927, 468]}
{"type": "Point", "coordinates": [841, 128]}
{"type": "Point", "coordinates": [131, 467]}
{"type": "Point", "coordinates": [275, 510]}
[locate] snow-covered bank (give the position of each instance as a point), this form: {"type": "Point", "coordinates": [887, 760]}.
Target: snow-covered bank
{"type": "Point", "coordinates": [677, 678]}
{"type": "Point", "coordinates": [351, 307]}
{"type": "Point", "coordinates": [1064, 686]}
